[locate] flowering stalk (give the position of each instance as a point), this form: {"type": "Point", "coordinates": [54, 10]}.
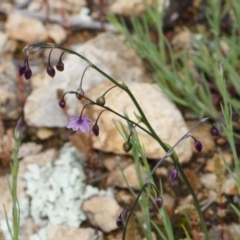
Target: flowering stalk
{"type": "Point", "coordinates": [169, 150]}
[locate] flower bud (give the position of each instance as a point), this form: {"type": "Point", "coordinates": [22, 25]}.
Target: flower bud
{"type": "Point", "coordinates": [28, 73]}
{"type": "Point", "coordinates": [60, 66]}
{"type": "Point", "coordinates": [79, 93]}
{"type": "Point", "coordinates": [198, 146]}
{"type": "Point", "coordinates": [21, 69]}
{"type": "Point", "coordinates": [159, 202]}
{"type": "Point", "coordinates": [101, 101]}
{"type": "Point", "coordinates": [62, 104]}
{"type": "Point", "coordinates": [173, 174]}
{"type": "Point", "coordinates": [19, 129]}
{"type": "Point", "coordinates": [127, 146]}
{"type": "Point", "coordinates": [51, 71]}
{"type": "Point", "coordinates": [95, 129]}
{"type": "Point", "coordinates": [119, 221]}
{"type": "Point", "coordinates": [214, 132]}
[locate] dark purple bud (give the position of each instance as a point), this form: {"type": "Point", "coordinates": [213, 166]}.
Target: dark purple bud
{"type": "Point", "coordinates": [95, 129]}
{"type": "Point", "coordinates": [62, 104]}
{"type": "Point", "coordinates": [21, 69]}
{"type": "Point", "coordinates": [60, 66]}
{"type": "Point", "coordinates": [127, 146]}
{"type": "Point", "coordinates": [119, 221]}
{"type": "Point", "coordinates": [28, 73]}
{"type": "Point", "coordinates": [51, 71]}
{"type": "Point", "coordinates": [214, 132]}
{"type": "Point", "coordinates": [198, 146]}
{"type": "Point", "coordinates": [159, 202]}
{"type": "Point", "coordinates": [173, 174]}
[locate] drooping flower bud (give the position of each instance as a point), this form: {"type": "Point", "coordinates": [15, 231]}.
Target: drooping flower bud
{"type": "Point", "coordinates": [127, 146]}
{"type": "Point", "coordinates": [19, 129]}
{"type": "Point", "coordinates": [62, 104]}
{"type": "Point", "coordinates": [101, 101]}
{"type": "Point", "coordinates": [214, 132]}
{"type": "Point", "coordinates": [159, 202]}
{"type": "Point", "coordinates": [95, 129]}
{"type": "Point", "coordinates": [51, 71]}
{"type": "Point", "coordinates": [119, 221]}
{"type": "Point", "coordinates": [21, 69]}
{"type": "Point", "coordinates": [60, 65]}
{"type": "Point", "coordinates": [198, 146]}
{"type": "Point", "coordinates": [28, 73]}
{"type": "Point", "coordinates": [173, 174]}
{"type": "Point", "coordinates": [79, 93]}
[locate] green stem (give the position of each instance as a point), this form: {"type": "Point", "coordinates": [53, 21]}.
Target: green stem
{"type": "Point", "coordinates": [14, 171]}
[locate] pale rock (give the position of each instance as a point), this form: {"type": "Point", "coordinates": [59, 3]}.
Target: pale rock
{"type": "Point", "coordinates": [29, 148]}
{"type": "Point", "coordinates": [71, 6]}
{"type": "Point", "coordinates": [102, 212]}
{"type": "Point", "coordinates": [112, 162]}
{"type": "Point", "coordinates": [127, 8]}
{"type": "Point", "coordinates": [66, 233]}
{"type": "Point", "coordinates": [56, 32]}
{"type": "Point", "coordinates": [230, 187]}
{"type": "Point", "coordinates": [108, 53]}
{"type": "Point", "coordinates": [125, 197]}
{"type": "Point", "coordinates": [42, 158]}
{"type": "Point", "coordinates": [162, 114]}
{"type": "Point", "coordinates": [44, 133]}
{"type": "Point", "coordinates": [161, 172]}
{"type": "Point", "coordinates": [116, 178]}
{"type": "Point", "coordinates": [208, 180]}
{"type": "Point", "coordinates": [210, 165]}
{"type": "Point", "coordinates": [25, 29]}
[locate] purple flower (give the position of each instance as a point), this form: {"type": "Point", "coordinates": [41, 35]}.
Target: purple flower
{"type": "Point", "coordinates": [79, 123]}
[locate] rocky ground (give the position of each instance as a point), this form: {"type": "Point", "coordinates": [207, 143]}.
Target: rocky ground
{"type": "Point", "coordinates": [70, 183]}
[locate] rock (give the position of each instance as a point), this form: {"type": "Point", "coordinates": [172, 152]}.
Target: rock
{"type": "Point", "coordinates": [113, 162]}
{"type": "Point", "coordinates": [65, 233]}
{"type": "Point", "coordinates": [25, 29]}
{"type": "Point", "coordinates": [208, 180]}
{"type": "Point", "coordinates": [29, 148]}
{"type": "Point", "coordinates": [210, 164]}
{"type": "Point", "coordinates": [124, 197]}
{"type": "Point", "coordinates": [203, 135]}
{"type": "Point", "coordinates": [108, 53]}
{"type": "Point", "coordinates": [44, 133]}
{"type": "Point", "coordinates": [127, 8]}
{"type": "Point", "coordinates": [102, 212]}
{"type": "Point", "coordinates": [116, 178]}
{"type": "Point", "coordinates": [162, 114]}
{"type": "Point", "coordinates": [230, 187]}
{"type": "Point", "coordinates": [46, 157]}
{"type": "Point", "coordinates": [56, 32]}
